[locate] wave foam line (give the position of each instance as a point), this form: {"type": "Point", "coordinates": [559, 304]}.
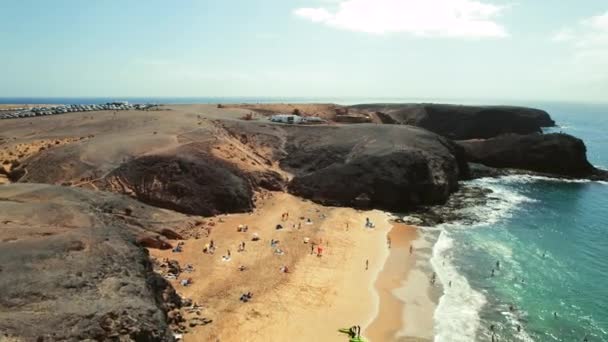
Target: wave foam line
{"type": "Point", "coordinates": [457, 314]}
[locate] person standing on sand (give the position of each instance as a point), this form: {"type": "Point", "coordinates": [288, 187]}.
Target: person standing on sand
{"type": "Point", "coordinates": [411, 249]}
{"type": "Point", "coordinates": [388, 241]}
{"type": "Point", "coordinates": [366, 264]}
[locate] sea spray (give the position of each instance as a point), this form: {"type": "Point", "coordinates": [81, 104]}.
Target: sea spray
{"type": "Point", "coordinates": [457, 314]}
{"type": "Point", "coordinates": [457, 317]}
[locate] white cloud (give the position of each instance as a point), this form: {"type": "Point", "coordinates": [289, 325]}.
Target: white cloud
{"type": "Point", "coordinates": [587, 41]}
{"type": "Point", "coordinates": [588, 33]}
{"type": "Point", "coordinates": [563, 35]}
{"type": "Point", "coordinates": [445, 18]}
{"type": "Point", "coordinates": [315, 14]}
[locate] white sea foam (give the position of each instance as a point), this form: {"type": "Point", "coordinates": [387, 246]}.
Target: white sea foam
{"type": "Point", "coordinates": [533, 178]}
{"type": "Point", "coordinates": [512, 319]}
{"type": "Point", "coordinates": [457, 314]}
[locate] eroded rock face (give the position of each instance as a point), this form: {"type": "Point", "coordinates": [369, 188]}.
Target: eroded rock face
{"type": "Point", "coordinates": [463, 122]}
{"type": "Point", "coordinates": [71, 269]}
{"type": "Point", "coordinates": [558, 154]}
{"type": "Point", "coordinates": [387, 167]}
{"type": "Point", "coordinates": [202, 186]}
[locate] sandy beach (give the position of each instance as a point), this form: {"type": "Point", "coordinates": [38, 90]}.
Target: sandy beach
{"type": "Point", "coordinates": [407, 298]}
{"type": "Point", "coordinates": [318, 296]}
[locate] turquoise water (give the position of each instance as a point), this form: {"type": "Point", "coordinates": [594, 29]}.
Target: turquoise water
{"type": "Point", "coordinates": [551, 239]}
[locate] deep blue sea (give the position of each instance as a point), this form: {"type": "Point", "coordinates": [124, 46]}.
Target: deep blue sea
{"type": "Point", "coordinates": [550, 238]}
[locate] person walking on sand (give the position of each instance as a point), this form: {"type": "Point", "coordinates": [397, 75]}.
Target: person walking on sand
{"type": "Point", "coordinates": [388, 241]}
{"type": "Point", "coordinates": [366, 264]}
{"type": "Point", "coordinates": [411, 249]}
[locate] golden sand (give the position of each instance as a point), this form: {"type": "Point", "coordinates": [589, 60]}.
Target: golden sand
{"type": "Point", "coordinates": [318, 296]}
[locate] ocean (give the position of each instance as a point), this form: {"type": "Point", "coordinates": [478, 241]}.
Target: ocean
{"type": "Point", "coordinates": [550, 238]}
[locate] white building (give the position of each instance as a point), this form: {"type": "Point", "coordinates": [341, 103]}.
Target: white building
{"type": "Point", "coordinates": [287, 118]}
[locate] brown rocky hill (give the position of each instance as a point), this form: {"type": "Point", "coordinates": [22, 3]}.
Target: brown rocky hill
{"type": "Point", "coordinates": [72, 266]}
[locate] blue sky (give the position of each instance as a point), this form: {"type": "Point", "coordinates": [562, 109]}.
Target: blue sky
{"type": "Point", "coordinates": [470, 49]}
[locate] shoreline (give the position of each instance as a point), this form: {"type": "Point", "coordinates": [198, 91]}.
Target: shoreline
{"type": "Point", "coordinates": [407, 300]}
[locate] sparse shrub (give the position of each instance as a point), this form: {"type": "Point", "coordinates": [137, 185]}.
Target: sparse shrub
{"type": "Point", "coordinates": [296, 111]}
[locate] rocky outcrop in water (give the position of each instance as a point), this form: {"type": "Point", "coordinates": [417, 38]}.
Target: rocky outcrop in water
{"type": "Point", "coordinates": [462, 122]}
{"type": "Point", "coordinates": [456, 209]}
{"type": "Point", "coordinates": [557, 154]}
{"type": "Point", "coordinates": [71, 269]}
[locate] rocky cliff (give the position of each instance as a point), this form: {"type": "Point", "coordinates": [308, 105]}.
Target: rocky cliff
{"type": "Point", "coordinates": [558, 154]}
{"type": "Point", "coordinates": [462, 122]}
{"type": "Point", "coordinates": [371, 166]}
{"type": "Point", "coordinates": [71, 267]}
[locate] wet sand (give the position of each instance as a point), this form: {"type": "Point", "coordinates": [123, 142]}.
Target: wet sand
{"type": "Point", "coordinates": [407, 300]}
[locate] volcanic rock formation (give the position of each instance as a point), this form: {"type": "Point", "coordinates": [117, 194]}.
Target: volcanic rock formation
{"type": "Point", "coordinates": [463, 122]}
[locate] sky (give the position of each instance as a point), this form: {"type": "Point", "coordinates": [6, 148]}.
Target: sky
{"type": "Point", "coordinates": [454, 49]}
